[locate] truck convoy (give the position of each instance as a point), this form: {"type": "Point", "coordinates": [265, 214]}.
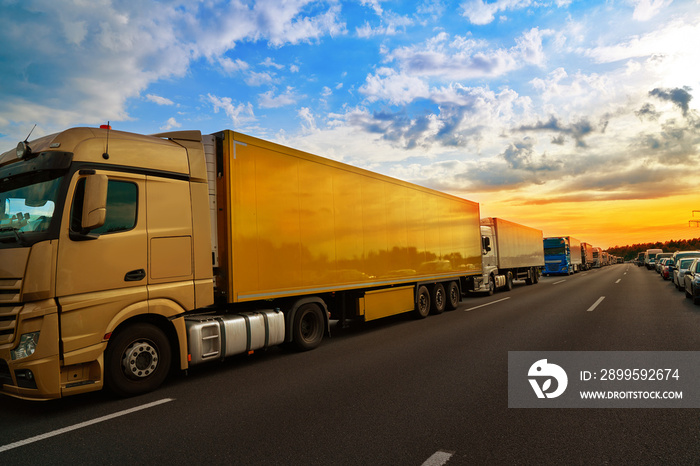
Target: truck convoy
{"type": "Point", "coordinates": [122, 255]}
{"type": "Point", "coordinates": [562, 255]}
{"type": "Point", "coordinates": [510, 252]}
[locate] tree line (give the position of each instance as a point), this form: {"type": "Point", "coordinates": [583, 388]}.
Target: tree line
{"type": "Point", "coordinates": [630, 252]}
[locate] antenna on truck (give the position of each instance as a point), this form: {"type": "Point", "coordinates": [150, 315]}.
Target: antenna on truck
{"type": "Point", "coordinates": [108, 127]}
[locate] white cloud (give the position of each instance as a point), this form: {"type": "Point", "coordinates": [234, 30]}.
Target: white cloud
{"type": "Point", "coordinates": [156, 99]}
{"type": "Point", "coordinates": [269, 100]}
{"type": "Point", "coordinates": [462, 58]}
{"type": "Point", "coordinates": [308, 120]}
{"type": "Point", "coordinates": [391, 24]}
{"type": "Point", "coordinates": [397, 88]}
{"type": "Point", "coordinates": [239, 114]}
{"type": "Point", "coordinates": [644, 10]}
{"type": "Point", "coordinates": [269, 62]}
{"type": "Point", "coordinates": [480, 12]}
{"type": "Point", "coordinates": [170, 124]}
{"type": "Point", "coordinates": [233, 66]}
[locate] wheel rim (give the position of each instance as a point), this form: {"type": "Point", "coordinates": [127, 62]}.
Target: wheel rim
{"type": "Point", "coordinates": [309, 326]}
{"type": "Point", "coordinates": [439, 299]}
{"type": "Point", "coordinates": [453, 295]}
{"type": "Point", "coordinates": [423, 303]}
{"type": "Point", "coordinates": [140, 359]}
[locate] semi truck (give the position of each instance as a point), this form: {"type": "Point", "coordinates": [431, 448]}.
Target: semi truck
{"type": "Point", "coordinates": [597, 257]}
{"type": "Point", "coordinates": [125, 255]}
{"type": "Point", "coordinates": [587, 259]}
{"type": "Point", "coordinates": [562, 255]}
{"type": "Point", "coordinates": [510, 251]}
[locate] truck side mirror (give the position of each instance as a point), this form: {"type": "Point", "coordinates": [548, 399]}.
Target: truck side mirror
{"type": "Point", "coordinates": [486, 243]}
{"type": "Point", "coordinates": [94, 203]}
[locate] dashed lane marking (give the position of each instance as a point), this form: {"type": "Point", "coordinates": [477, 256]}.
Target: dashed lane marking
{"type": "Point", "coordinates": [65, 430]}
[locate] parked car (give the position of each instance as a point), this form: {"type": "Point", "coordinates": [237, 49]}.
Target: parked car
{"type": "Point", "coordinates": [692, 282]}
{"type": "Point", "coordinates": [660, 256]}
{"type": "Point", "coordinates": [677, 258]}
{"type": "Point", "coordinates": [665, 267]}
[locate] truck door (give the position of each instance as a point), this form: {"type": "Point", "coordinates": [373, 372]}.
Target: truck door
{"type": "Point", "coordinates": [102, 273]}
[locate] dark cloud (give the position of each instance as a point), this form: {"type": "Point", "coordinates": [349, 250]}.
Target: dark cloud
{"type": "Point", "coordinates": [681, 97]}
{"type": "Point", "coordinates": [576, 130]}
{"type": "Point", "coordinates": [647, 111]}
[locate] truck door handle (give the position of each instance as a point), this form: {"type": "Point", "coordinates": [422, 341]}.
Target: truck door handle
{"type": "Point", "coordinates": [135, 275]}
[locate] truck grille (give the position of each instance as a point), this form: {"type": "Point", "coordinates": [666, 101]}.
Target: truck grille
{"type": "Point", "coordinates": [10, 306]}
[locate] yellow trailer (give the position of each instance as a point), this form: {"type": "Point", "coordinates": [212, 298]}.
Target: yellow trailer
{"type": "Point", "coordinates": [136, 252]}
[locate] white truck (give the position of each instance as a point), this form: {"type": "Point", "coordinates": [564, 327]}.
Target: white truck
{"type": "Point", "coordinates": [510, 251]}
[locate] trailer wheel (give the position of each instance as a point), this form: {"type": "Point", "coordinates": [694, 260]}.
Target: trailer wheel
{"type": "Point", "coordinates": [509, 281]}
{"type": "Point", "coordinates": [452, 296]}
{"type": "Point", "coordinates": [438, 299]}
{"type": "Point", "coordinates": [137, 360]}
{"type": "Point", "coordinates": [307, 330]}
{"type": "Point", "coordinates": [535, 275]}
{"type": "Point", "coordinates": [532, 276]}
{"type": "Point", "coordinates": [422, 308]}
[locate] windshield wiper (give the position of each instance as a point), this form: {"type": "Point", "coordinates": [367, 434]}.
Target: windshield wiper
{"type": "Point", "coordinates": [15, 231]}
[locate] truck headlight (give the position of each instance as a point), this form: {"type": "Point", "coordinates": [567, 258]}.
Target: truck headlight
{"type": "Point", "coordinates": [26, 347]}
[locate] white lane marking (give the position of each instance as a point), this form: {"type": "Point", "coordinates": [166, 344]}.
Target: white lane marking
{"type": "Point", "coordinates": [439, 458]}
{"type": "Point", "coordinates": [560, 281]}
{"type": "Point", "coordinates": [487, 304]}
{"type": "Point", "coordinates": [618, 280]}
{"type": "Point", "coordinates": [595, 305]}
{"type": "Point", "coordinates": [54, 433]}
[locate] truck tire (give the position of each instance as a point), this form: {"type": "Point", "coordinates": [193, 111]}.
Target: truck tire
{"type": "Point", "coordinates": [492, 285]}
{"type": "Point", "coordinates": [509, 281]}
{"type": "Point", "coordinates": [438, 299]}
{"type": "Point", "coordinates": [137, 360]}
{"type": "Point", "coordinates": [308, 327]}
{"type": "Point", "coordinates": [422, 308]}
{"type": "Point", "coordinates": [452, 296]}
{"type": "Point", "coordinates": [532, 276]}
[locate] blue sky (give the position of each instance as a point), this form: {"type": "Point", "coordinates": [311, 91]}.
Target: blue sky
{"type": "Point", "coordinates": [576, 117]}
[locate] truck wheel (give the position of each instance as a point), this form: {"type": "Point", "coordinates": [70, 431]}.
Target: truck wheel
{"type": "Point", "coordinates": [535, 275]}
{"type": "Point", "coordinates": [422, 308]}
{"type": "Point", "coordinates": [137, 360]}
{"type": "Point", "coordinates": [492, 285]}
{"type": "Point", "coordinates": [438, 299]}
{"type": "Point", "coordinates": [307, 330]}
{"type": "Point", "coordinates": [452, 296]}
{"type": "Point", "coordinates": [530, 280]}
{"type": "Point", "coordinates": [509, 281]}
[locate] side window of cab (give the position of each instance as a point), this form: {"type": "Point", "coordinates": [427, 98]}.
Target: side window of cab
{"type": "Point", "coordinates": [122, 201]}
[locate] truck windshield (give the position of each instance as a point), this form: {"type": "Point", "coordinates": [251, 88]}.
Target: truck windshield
{"type": "Point", "coordinates": [27, 206]}
{"type": "Point", "coordinates": [554, 250]}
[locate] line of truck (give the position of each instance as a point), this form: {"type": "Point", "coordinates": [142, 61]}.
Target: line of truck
{"type": "Point", "coordinates": [124, 255]}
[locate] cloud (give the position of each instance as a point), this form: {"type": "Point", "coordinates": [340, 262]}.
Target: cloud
{"type": "Point", "coordinates": [462, 58]}
{"type": "Point", "coordinates": [644, 10]}
{"type": "Point", "coordinates": [238, 114]}
{"type": "Point", "coordinates": [680, 97]}
{"type": "Point", "coordinates": [481, 12]}
{"type": "Point", "coordinates": [103, 53]}
{"type": "Point", "coordinates": [171, 123]}
{"type": "Point", "coordinates": [576, 130]}
{"type": "Point", "coordinates": [391, 24]}
{"type": "Point", "coordinates": [159, 100]}
{"type": "Point", "coordinates": [397, 88]}
{"type": "Point", "coordinates": [269, 100]}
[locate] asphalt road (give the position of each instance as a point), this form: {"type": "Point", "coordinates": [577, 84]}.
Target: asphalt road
{"type": "Point", "coordinates": [396, 392]}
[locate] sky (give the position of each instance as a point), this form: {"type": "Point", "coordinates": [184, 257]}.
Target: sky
{"type": "Point", "coordinates": [579, 118]}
